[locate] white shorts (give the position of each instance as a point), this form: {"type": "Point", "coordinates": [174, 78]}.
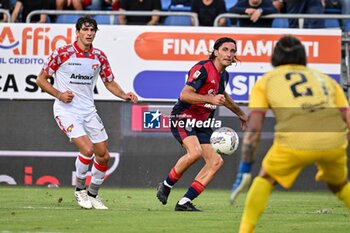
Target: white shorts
{"type": "Point", "coordinates": [76, 126]}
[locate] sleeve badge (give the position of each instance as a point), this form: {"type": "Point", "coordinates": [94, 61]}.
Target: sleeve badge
{"type": "Point", "coordinates": [196, 74]}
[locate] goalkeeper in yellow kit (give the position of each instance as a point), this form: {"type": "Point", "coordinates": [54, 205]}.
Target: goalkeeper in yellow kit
{"type": "Point", "coordinates": [311, 129]}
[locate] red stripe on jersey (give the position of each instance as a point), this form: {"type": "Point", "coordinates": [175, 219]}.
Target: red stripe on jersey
{"type": "Point", "coordinates": [174, 176]}
{"type": "Point", "coordinates": [85, 160]}
{"type": "Point", "coordinates": [182, 132]}
{"type": "Point", "coordinates": [58, 57]}
{"type": "Point", "coordinates": [106, 73]}
{"type": "Point", "coordinates": [99, 167]}
{"type": "Point", "coordinates": [62, 54]}
{"type": "Point", "coordinates": [198, 186]}
{"type": "Point", "coordinates": [60, 124]}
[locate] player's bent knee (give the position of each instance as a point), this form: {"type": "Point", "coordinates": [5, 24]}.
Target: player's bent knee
{"type": "Point", "coordinates": [192, 159]}
{"type": "Point", "coordinates": [105, 158]}
{"type": "Point", "coordinates": [218, 163]}
{"type": "Point", "coordinates": [195, 154]}
{"type": "Point", "coordinates": [267, 177]}
{"type": "Point", "coordinates": [335, 188]}
{"type": "Point", "coordinates": [87, 151]}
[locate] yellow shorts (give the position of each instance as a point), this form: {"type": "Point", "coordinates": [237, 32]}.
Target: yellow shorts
{"type": "Point", "coordinates": [284, 165]}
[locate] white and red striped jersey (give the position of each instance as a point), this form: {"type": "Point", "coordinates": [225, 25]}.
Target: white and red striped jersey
{"type": "Point", "coordinates": [77, 71]}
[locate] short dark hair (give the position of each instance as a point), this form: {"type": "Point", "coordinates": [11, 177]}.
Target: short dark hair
{"type": "Point", "coordinates": [86, 20]}
{"type": "Point", "coordinates": [289, 50]}
{"type": "Point", "coordinates": [217, 45]}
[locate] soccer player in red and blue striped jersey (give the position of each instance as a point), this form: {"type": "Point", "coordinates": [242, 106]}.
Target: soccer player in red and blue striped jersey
{"type": "Point", "coordinates": [192, 119]}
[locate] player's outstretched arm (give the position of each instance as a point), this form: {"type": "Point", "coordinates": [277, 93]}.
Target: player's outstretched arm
{"type": "Point", "coordinates": [250, 142]}
{"type": "Point", "coordinates": [116, 90]}
{"type": "Point", "coordinates": [230, 104]}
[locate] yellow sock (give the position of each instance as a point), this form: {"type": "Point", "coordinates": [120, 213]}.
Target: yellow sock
{"type": "Point", "coordinates": [344, 195]}
{"type": "Point", "coordinates": [255, 204]}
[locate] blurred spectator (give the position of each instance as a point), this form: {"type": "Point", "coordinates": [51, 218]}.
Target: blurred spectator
{"type": "Point", "coordinates": [180, 2]}
{"type": "Point", "coordinates": [102, 4]}
{"type": "Point", "coordinates": [178, 5]}
{"type": "Point", "coordinates": [139, 5]}
{"type": "Point", "coordinates": [345, 7]}
{"type": "Point", "coordinates": [52, 4]}
{"type": "Point", "coordinates": [333, 6]}
{"type": "Point", "coordinates": [24, 7]}
{"type": "Point", "coordinates": [305, 7]}
{"type": "Point", "coordinates": [114, 3]}
{"type": "Point", "coordinates": [338, 7]}
{"type": "Point", "coordinates": [12, 3]}
{"type": "Point", "coordinates": [208, 10]}
{"type": "Point", "coordinates": [255, 9]}
{"type": "Point", "coordinates": [71, 4]}
{"type": "Point", "coordinates": [279, 5]}
{"type": "Point", "coordinates": [4, 4]}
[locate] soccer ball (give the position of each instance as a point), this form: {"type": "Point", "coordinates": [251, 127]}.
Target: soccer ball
{"type": "Point", "coordinates": [224, 141]}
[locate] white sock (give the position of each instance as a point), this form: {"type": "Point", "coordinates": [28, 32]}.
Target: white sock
{"type": "Point", "coordinates": [184, 200]}
{"type": "Point", "coordinates": [82, 168]}
{"type": "Point", "coordinates": [97, 176]}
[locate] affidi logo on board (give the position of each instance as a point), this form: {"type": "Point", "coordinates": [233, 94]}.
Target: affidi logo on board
{"type": "Point", "coordinates": [33, 40]}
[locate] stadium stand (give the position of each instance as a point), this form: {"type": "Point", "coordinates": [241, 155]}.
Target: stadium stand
{"type": "Point", "coordinates": [48, 19]}
{"type": "Point", "coordinates": [106, 19]}
{"type": "Point", "coordinates": [179, 8]}
{"type": "Point", "coordinates": [177, 21]}
{"type": "Point", "coordinates": [230, 3]}
{"type": "Point", "coordinates": [172, 20]}
{"type": "Point", "coordinates": [165, 5]}
{"type": "Point", "coordinates": [67, 18]}
{"type": "Point", "coordinates": [331, 23]}
{"type": "Point", "coordinates": [231, 22]}
{"type": "Point", "coordinates": [168, 5]}
{"type": "Point", "coordinates": [280, 23]}
{"type": "Point", "coordinates": [347, 26]}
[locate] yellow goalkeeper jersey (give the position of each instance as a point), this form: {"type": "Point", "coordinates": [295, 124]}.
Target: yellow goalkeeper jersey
{"type": "Point", "coordinates": [307, 106]}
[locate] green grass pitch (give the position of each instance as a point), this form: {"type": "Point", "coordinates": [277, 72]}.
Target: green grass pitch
{"type": "Point", "coordinates": [33, 209]}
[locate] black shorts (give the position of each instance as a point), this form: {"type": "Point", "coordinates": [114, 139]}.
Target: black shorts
{"type": "Point", "coordinates": [182, 128]}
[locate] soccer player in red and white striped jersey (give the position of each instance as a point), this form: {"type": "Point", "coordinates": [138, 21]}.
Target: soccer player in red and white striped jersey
{"type": "Point", "coordinates": [75, 68]}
